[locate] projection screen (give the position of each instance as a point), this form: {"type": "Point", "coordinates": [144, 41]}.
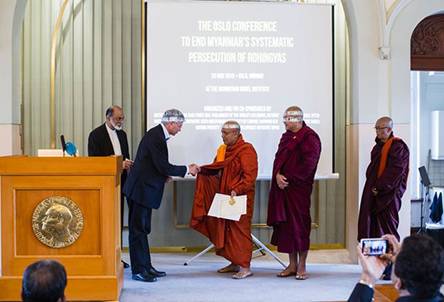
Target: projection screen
{"type": "Point", "coordinates": [245, 61]}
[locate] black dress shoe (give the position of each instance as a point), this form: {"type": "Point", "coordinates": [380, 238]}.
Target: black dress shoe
{"type": "Point", "coordinates": [152, 271]}
{"type": "Point", "coordinates": [125, 265]}
{"type": "Point", "coordinates": [144, 277]}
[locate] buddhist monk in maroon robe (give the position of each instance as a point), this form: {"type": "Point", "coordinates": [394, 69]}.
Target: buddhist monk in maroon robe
{"type": "Point", "coordinates": [292, 183]}
{"type": "Point", "coordinates": [386, 183]}
{"type": "Point", "coordinates": [233, 172]}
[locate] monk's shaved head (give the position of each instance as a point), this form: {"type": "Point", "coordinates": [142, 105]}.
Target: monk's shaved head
{"type": "Point", "coordinates": [294, 110]}
{"type": "Point", "coordinates": [232, 125]}
{"type": "Point", "coordinates": [294, 114]}
{"type": "Point", "coordinates": [293, 118]}
{"type": "Point", "coordinates": [230, 132]}
{"type": "Point", "coordinates": [384, 128]}
{"type": "Point", "coordinates": [385, 121]}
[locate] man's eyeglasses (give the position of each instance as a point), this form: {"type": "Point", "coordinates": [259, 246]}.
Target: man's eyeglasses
{"type": "Point", "coordinates": [380, 128]}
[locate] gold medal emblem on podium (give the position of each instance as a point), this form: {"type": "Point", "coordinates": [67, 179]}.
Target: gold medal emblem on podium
{"type": "Point", "coordinates": [57, 222]}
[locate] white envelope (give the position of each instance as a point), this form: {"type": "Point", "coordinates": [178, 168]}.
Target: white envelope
{"type": "Point", "coordinates": [223, 208]}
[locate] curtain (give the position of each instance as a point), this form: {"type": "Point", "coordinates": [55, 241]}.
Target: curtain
{"type": "Point", "coordinates": [98, 64]}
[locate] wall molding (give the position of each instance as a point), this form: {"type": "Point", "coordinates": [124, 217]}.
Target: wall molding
{"type": "Point", "coordinates": [387, 17]}
{"type": "Point", "coordinates": [427, 44]}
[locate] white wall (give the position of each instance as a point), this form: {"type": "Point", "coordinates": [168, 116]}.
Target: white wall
{"type": "Point", "coordinates": [379, 87]}
{"type": "Point", "coordinates": [431, 98]}
{"type": "Point", "coordinates": [400, 92]}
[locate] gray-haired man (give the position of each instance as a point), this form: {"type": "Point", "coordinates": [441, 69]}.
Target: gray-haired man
{"type": "Point", "coordinates": [144, 190]}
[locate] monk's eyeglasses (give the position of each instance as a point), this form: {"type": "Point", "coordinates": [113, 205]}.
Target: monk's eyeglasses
{"type": "Point", "coordinates": [293, 118]}
{"type": "Point", "coordinates": [380, 128]}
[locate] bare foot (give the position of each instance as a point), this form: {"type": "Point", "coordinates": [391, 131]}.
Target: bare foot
{"type": "Point", "coordinates": [301, 273]}
{"type": "Point", "coordinates": [302, 276]}
{"type": "Point", "coordinates": [243, 273]}
{"type": "Point", "coordinates": [230, 268]}
{"type": "Point", "coordinates": [289, 271]}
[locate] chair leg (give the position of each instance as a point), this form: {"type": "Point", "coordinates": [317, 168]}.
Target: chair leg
{"type": "Point", "coordinates": [200, 254]}
{"type": "Point", "coordinates": [261, 248]}
{"type": "Point", "coordinates": [259, 243]}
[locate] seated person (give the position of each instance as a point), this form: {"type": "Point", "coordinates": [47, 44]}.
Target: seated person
{"type": "Point", "coordinates": [233, 172]}
{"type": "Point", "coordinates": [44, 281]}
{"type": "Point", "coordinates": [418, 270]}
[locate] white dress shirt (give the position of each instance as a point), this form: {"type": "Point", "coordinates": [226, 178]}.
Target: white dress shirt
{"type": "Point", "coordinates": [167, 137]}
{"type": "Point", "coordinates": [165, 132]}
{"type": "Point", "coordinates": [114, 140]}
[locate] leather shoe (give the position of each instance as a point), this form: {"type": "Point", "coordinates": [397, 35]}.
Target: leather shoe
{"type": "Point", "coordinates": [144, 277]}
{"type": "Point", "coordinates": [152, 271]}
{"type": "Point", "coordinates": [125, 265]}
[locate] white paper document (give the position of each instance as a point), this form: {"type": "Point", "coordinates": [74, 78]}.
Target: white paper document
{"type": "Point", "coordinates": [227, 207]}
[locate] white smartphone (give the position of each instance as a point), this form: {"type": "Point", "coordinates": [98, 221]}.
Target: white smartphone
{"type": "Point", "coordinates": [374, 246]}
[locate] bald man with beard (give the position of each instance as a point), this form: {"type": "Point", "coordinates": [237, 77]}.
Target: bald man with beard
{"type": "Point", "coordinates": [233, 172]}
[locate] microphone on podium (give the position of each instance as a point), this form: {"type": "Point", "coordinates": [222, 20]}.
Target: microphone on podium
{"type": "Point", "coordinates": [71, 149]}
{"type": "Point", "coordinates": [62, 140]}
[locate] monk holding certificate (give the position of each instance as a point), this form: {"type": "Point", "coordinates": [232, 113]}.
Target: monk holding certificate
{"type": "Point", "coordinates": [233, 173]}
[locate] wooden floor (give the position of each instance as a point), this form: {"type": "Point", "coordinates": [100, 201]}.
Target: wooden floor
{"type": "Point", "coordinates": [385, 293]}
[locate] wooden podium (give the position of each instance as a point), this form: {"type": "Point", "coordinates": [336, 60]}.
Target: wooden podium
{"type": "Point", "coordinates": [85, 190]}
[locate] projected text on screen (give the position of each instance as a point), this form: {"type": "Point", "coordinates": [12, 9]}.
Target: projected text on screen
{"type": "Point", "coordinates": [218, 61]}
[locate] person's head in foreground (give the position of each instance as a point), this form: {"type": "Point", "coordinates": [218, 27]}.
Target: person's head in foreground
{"type": "Point", "coordinates": [418, 266]}
{"type": "Point", "coordinates": [44, 281]}
{"type": "Point", "coordinates": [230, 132]}
{"type": "Point", "coordinates": [293, 118]}
{"type": "Point", "coordinates": [173, 120]}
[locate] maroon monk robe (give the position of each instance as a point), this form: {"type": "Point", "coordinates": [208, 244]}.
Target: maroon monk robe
{"type": "Point", "coordinates": [379, 214]}
{"type": "Point", "coordinates": [238, 172]}
{"type": "Point", "coordinates": [289, 209]}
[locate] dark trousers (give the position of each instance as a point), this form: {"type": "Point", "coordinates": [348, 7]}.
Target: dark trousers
{"type": "Point", "coordinates": [122, 207]}
{"type": "Point", "coordinates": [139, 223]}
{"type": "Point", "coordinates": [122, 210]}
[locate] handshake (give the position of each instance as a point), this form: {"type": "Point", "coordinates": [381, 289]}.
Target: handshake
{"type": "Point", "coordinates": [193, 169]}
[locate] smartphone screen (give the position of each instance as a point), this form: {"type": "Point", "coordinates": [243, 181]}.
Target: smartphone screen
{"type": "Point", "coordinates": [374, 246]}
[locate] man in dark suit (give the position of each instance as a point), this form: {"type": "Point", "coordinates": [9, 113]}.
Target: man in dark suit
{"type": "Point", "coordinates": [418, 270]}
{"type": "Point", "coordinates": [144, 189]}
{"type": "Point", "coordinates": [109, 139]}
